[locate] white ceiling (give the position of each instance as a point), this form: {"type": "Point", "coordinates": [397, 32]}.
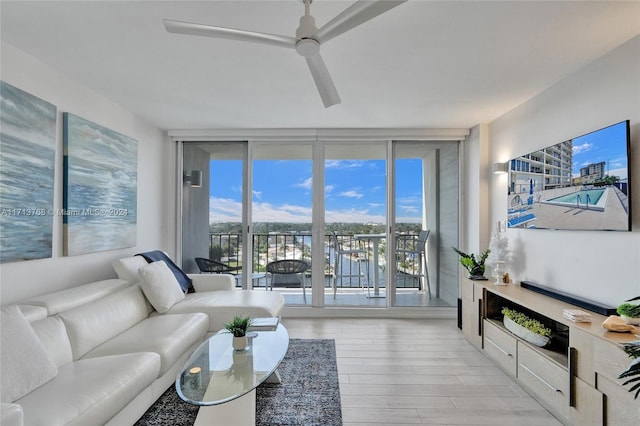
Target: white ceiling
{"type": "Point", "coordinates": [422, 64]}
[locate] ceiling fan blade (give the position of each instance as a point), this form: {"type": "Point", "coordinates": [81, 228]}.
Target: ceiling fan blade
{"type": "Point", "coordinates": [356, 14]}
{"type": "Point", "coordinates": [188, 28]}
{"type": "Point", "coordinates": [323, 81]}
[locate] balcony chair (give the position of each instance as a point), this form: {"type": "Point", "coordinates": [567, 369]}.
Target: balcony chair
{"type": "Point", "coordinates": [210, 266]}
{"type": "Point", "coordinates": [287, 273]}
{"type": "Point", "coordinates": [420, 252]}
{"type": "Point", "coordinates": [340, 251]}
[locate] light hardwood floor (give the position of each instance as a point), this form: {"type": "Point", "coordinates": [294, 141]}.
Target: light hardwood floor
{"type": "Point", "coordinates": [408, 371]}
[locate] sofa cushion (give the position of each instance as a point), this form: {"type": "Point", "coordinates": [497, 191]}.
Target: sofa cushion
{"type": "Point", "coordinates": [222, 306]}
{"type": "Point", "coordinates": [53, 336]}
{"type": "Point", "coordinates": [90, 391]}
{"type": "Point", "coordinates": [24, 362]}
{"type": "Point", "coordinates": [160, 286]}
{"type": "Point", "coordinates": [33, 313]}
{"type": "Point", "coordinates": [11, 414]}
{"type": "Point", "coordinates": [183, 279]}
{"type": "Point", "coordinates": [93, 324]}
{"type": "Point", "coordinates": [213, 282]}
{"type": "Point", "coordinates": [73, 297]}
{"type": "Point", "coordinates": [127, 267]}
{"type": "Point", "coordinates": [170, 336]}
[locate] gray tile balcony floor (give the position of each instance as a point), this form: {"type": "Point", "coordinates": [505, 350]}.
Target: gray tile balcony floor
{"type": "Point", "coordinates": [418, 371]}
{"type": "Point", "coordinates": [359, 297]}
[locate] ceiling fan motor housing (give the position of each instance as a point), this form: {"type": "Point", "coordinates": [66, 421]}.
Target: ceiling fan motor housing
{"type": "Point", "coordinates": [307, 46]}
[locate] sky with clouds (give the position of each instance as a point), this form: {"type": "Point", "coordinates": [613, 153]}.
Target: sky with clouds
{"type": "Point", "coordinates": [608, 144]}
{"type": "Point", "coordinates": [355, 191]}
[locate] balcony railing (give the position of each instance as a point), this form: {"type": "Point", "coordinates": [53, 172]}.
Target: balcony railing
{"type": "Point", "coordinates": [227, 247]}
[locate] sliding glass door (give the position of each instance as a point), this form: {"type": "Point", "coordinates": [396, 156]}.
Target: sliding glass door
{"type": "Point", "coordinates": [355, 221]}
{"type": "Point", "coordinates": [213, 212]}
{"type": "Point", "coordinates": [351, 210]}
{"type": "Point", "coordinates": [426, 213]}
{"type": "Point", "coordinates": [281, 207]}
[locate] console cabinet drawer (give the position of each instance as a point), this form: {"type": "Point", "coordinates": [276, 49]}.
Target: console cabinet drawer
{"type": "Point", "coordinates": [588, 408]}
{"type": "Point", "coordinates": [546, 379]}
{"type": "Point", "coordinates": [472, 314]}
{"type": "Point", "coordinates": [583, 345]}
{"type": "Point", "coordinates": [466, 291]}
{"type": "Point", "coordinates": [500, 346]}
{"type": "Point", "coordinates": [610, 361]}
{"type": "Point", "coordinates": [621, 408]}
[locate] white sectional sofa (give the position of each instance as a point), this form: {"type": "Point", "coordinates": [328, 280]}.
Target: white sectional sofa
{"type": "Point", "coordinates": [102, 353]}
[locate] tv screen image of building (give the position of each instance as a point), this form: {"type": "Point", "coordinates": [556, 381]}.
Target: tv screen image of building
{"type": "Point", "coordinates": [579, 184]}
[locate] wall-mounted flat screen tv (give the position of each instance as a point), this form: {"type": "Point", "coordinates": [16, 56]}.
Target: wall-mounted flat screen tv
{"type": "Point", "coordinates": [579, 184]}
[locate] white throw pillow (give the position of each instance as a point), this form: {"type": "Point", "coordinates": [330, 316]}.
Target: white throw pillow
{"type": "Point", "coordinates": [127, 268]}
{"type": "Point", "coordinates": [160, 286]}
{"type": "Point", "coordinates": [24, 362]}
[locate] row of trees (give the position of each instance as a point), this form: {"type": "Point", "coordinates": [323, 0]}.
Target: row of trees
{"type": "Point", "coordinates": [298, 228]}
{"type": "Point", "coordinates": [226, 241]}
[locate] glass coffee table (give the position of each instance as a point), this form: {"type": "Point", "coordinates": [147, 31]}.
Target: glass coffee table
{"type": "Point", "coordinates": [223, 380]}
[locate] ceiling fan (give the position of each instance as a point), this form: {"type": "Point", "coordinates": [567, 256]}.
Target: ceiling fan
{"type": "Point", "coordinates": [307, 40]}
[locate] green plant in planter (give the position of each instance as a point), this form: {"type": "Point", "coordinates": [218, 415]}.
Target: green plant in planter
{"type": "Point", "coordinates": [528, 323]}
{"type": "Point", "coordinates": [633, 372]}
{"type": "Point", "coordinates": [474, 266]}
{"type": "Point", "coordinates": [629, 310]}
{"type": "Point", "coordinates": [238, 326]}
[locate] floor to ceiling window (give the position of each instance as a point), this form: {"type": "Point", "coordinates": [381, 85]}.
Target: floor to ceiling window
{"type": "Point", "coordinates": [426, 199]}
{"type": "Point", "coordinates": [281, 188]}
{"type": "Point", "coordinates": [355, 223]}
{"type": "Point", "coordinates": [352, 210]}
{"type": "Point", "coordinates": [213, 212]}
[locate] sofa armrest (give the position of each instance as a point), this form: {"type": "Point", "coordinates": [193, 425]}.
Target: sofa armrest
{"type": "Point", "coordinates": [11, 414]}
{"type": "Point", "coordinates": [212, 282]}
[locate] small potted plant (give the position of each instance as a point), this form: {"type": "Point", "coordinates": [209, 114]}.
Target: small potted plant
{"type": "Point", "coordinates": [630, 312]}
{"type": "Point", "coordinates": [474, 266]}
{"type": "Point", "coordinates": [238, 327]}
{"type": "Point", "coordinates": [528, 329]}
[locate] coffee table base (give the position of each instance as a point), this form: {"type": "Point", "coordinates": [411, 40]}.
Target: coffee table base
{"type": "Point", "coordinates": [238, 412]}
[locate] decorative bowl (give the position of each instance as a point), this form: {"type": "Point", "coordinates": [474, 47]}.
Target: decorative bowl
{"type": "Point", "coordinates": [525, 334]}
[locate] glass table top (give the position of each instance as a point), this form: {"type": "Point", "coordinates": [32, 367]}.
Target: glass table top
{"type": "Point", "coordinates": [216, 373]}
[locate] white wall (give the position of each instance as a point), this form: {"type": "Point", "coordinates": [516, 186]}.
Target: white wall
{"type": "Point", "coordinates": [599, 265]}
{"type": "Point", "coordinates": [475, 191]}
{"type": "Point", "coordinates": [19, 280]}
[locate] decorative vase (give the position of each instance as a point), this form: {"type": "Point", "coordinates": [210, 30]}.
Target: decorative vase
{"type": "Point", "coordinates": [240, 343]}
{"type": "Point", "coordinates": [525, 334]}
{"type": "Point", "coordinates": [631, 320]}
{"type": "Point", "coordinates": [499, 272]}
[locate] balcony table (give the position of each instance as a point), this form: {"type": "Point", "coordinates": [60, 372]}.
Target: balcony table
{"type": "Point", "coordinates": [375, 238]}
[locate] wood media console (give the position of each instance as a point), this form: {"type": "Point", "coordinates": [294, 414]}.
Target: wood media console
{"type": "Point", "coordinates": [576, 376]}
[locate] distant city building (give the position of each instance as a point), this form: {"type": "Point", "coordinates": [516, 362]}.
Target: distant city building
{"type": "Point", "coordinates": [547, 168]}
{"type": "Point", "coordinates": [591, 174]}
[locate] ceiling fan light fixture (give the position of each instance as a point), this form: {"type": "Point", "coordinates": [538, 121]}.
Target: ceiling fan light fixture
{"type": "Point", "coordinates": [307, 47]}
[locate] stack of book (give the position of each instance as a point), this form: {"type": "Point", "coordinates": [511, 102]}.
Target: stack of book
{"type": "Point", "coordinates": [264, 324]}
{"type": "Point", "coordinates": [576, 315]}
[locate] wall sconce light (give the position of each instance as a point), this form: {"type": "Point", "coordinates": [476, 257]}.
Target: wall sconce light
{"type": "Point", "coordinates": [500, 168]}
{"type": "Point", "coordinates": [195, 178]}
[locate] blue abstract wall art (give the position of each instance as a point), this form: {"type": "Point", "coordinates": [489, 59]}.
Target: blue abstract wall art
{"type": "Point", "coordinates": [27, 165]}
{"type": "Point", "coordinates": [99, 187]}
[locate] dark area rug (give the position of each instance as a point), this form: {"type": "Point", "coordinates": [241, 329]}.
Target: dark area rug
{"type": "Point", "coordinates": [309, 394]}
